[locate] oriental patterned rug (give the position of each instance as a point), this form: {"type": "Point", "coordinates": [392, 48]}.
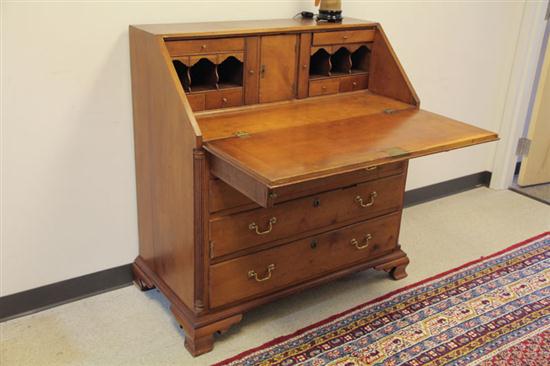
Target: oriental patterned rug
{"type": "Point", "coordinates": [493, 311]}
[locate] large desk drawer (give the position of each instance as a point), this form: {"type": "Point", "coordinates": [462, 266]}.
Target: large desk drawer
{"type": "Point", "coordinates": [222, 196]}
{"type": "Point", "coordinates": [233, 233]}
{"type": "Point", "coordinates": [278, 267]}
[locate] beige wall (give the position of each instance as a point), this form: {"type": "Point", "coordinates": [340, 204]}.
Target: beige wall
{"type": "Point", "coordinates": [68, 197]}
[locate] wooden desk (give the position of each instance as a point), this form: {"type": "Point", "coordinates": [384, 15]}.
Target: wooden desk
{"type": "Point", "coordinates": [271, 156]}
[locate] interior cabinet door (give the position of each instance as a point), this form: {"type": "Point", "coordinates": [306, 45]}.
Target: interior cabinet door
{"type": "Point", "coordinates": [278, 70]}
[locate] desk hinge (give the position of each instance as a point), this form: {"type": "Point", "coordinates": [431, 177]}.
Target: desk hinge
{"type": "Point", "coordinates": [524, 144]}
{"type": "Point", "coordinates": [211, 244]}
{"type": "Point", "coordinates": [241, 134]}
{"type": "Point", "coordinates": [390, 111]}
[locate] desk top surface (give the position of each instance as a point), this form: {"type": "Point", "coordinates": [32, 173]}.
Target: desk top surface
{"type": "Point", "coordinates": [229, 28]}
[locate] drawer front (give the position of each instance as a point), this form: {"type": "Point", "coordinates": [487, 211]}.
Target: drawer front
{"type": "Point", "coordinates": [197, 102]}
{"type": "Point", "coordinates": [224, 98]}
{"type": "Point", "coordinates": [269, 270]}
{"type": "Point", "coordinates": [323, 87]}
{"type": "Point", "coordinates": [352, 83]}
{"type": "Point", "coordinates": [180, 48]}
{"type": "Point", "coordinates": [232, 233]}
{"type": "Point", "coordinates": [223, 196]}
{"type": "Point", "coordinates": [355, 36]}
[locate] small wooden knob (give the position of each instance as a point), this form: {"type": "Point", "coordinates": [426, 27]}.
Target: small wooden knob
{"type": "Point", "coordinates": [203, 47]}
{"type": "Point", "coordinates": [323, 88]}
{"type": "Point", "coordinates": [224, 100]}
{"type": "Point", "coordinates": [304, 66]}
{"type": "Point", "coordinates": [251, 72]}
{"type": "Point", "coordinates": [346, 37]}
{"type": "Point", "coordinates": [354, 83]}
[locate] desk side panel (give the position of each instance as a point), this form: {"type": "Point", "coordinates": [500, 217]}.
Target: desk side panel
{"type": "Point", "coordinates": [386, 75]}
{"type": "Point", "coordinates": [165, 134]}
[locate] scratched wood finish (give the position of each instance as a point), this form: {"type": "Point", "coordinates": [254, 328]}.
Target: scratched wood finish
{"type": "Point", "coordinates": [301, 260]}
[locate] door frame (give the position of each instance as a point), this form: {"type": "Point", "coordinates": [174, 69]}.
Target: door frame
{"type": "Point", "coordinates": [520, 89]}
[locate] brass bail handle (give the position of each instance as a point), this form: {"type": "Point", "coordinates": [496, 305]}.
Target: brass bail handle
{"type": "Point", "coordinates": [253, 226]}
{"type": "Point", "coordinates": [362, 203]}
{"type": "Point", "coordinates": [360, 246]}
{"type": "Point", "coordinates": [254, 275]}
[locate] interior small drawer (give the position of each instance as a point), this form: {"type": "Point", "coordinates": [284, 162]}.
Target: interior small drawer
{"type": "Point", "coordinates": [352, 36]}
{"type": "Point", "coordinates": [323, 87]}
{"type": "Point", "coordinates": [223, 197]}
{"type": "Point", "coordinates": [224, 98]}
{"type": "Point", "coordinates": [352, 83]}
{"type": "Point", "coordinates": [180, 48]}
{"type": "Point", "coordinates": [196, 101]}
{"type": "Point", "coordinates": [234, 233]}
{"type": "Point", "coordinates": [266, 271]}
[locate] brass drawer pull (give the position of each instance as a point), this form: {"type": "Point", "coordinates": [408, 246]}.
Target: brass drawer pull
{"type": "Point", "coordinates": [255, 227]}
{"type": "Point", "coordinates": [359, 200]}
{"type": "Point", "coordinates": [254, 275]}
{"type": "Point", "coordinates": [359, 246]}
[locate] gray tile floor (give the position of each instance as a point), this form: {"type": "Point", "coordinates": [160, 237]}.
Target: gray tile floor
{"type": "Point", "coordinates": [128, 327]}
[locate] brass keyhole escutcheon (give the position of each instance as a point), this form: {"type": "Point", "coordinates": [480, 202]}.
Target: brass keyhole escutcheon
{"type": "Point", "coordinates": [316, 202]}
{"type": "Point", "coordinates": [313, 244]}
